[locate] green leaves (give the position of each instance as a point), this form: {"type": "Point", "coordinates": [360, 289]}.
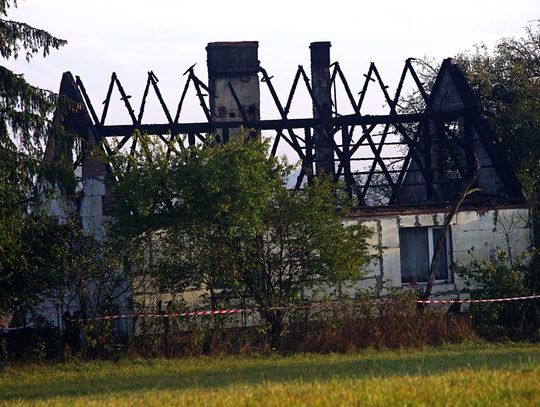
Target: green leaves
{"type": "Point", "coordinates": [221, 186]}
{"type": "Point", "coordinates": [500, 277]}
{"type": "Point", "coordinates": [27, 258]}
{"type": "Point", "coordinates": [23, 108]}
{"type": "Point", "coordinates": [28, 244]}
{"type": "Point", "coordinates": [221, 217]}
{"type": "Point", "coordinates": [23, 112]}
{"type": "Point", "coordinates": [15, 35]}
{"type": "Point", "coordinates": [508, 83]}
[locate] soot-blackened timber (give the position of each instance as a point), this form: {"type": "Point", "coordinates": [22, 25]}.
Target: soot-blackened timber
{"type": "Point", "coordinates": [401, 159]}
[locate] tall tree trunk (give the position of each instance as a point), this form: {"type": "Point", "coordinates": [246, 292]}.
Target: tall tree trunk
{"type": "Point", "coordinates": [274, 319]}
{"type": "Point", "coordinates": [276, 329]}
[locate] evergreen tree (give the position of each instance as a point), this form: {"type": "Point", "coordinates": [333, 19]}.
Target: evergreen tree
{"type": "Point", "coordinates": [26, 234]}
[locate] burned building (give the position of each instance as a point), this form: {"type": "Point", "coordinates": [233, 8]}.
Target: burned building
{"type": "Point", "coordinates": [407, 170]}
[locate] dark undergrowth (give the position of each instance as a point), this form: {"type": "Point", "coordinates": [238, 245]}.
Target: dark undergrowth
{"type": "Point", "coordinates": [329, 327]}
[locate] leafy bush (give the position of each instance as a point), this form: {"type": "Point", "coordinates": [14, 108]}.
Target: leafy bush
{"type": "Point", "coordinates": [499, 277]}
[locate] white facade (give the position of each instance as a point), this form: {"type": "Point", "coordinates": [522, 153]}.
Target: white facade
{"type": "Point", "coordinates": [474, 234]}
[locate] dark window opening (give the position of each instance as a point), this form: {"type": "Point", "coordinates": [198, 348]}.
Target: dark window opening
{"type": "Point", "coordinates": [417, 247]}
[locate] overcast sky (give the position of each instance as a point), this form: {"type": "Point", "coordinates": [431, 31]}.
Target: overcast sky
{"type": "Point", "coordinates": [132, 37]}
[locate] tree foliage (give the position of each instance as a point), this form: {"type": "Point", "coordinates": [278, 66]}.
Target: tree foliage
{"type": "Point", "coordinates": [27, 258]}
{"type": "Point", "coordinates": [221, 218]}
{"type": "Point", "coordinates": [90, 270]}
{"type": "Point", "coordinates": [25, 250]}
{"type": "Point", "coordinates": [507, 81]}
{"type": "Point", "coordinates": [500, 277]}
{"type": "Point", "coordinates": [23, 107]}
{"type": "Point", "coordinates": [203, 199]}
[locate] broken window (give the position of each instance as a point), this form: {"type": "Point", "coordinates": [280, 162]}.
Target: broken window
{"type": "Point", "coordinates": [416, 252]}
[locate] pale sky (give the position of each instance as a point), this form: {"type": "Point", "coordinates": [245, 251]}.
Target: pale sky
{"type": "Point", "coordinates": [132, 37]}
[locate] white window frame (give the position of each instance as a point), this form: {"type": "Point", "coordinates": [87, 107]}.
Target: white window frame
{"type": "Point", "coordinates": [431, 249]}
{"type": "Point", "coordinates": [448, 248]}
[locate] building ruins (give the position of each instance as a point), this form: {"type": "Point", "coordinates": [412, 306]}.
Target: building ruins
{"type": "Point", "coordinates": [405, 169]}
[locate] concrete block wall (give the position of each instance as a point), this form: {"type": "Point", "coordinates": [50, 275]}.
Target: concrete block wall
{"type": "Point", "coordinates": [474, 234]}
{"type": "Point", "coordinates": [92, 209]}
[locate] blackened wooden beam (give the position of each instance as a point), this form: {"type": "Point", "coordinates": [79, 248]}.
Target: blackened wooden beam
{"type": "Point", "coordinates": [178, 128]}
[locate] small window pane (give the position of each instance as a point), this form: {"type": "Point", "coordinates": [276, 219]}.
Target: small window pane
{"type": "Point", "coordinates": [442, 271]}
{"type": "Point", "coordinates": [414, 254]}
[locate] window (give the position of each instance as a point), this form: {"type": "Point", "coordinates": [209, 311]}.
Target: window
{"type": "Point", "coordinates": [416, 252]}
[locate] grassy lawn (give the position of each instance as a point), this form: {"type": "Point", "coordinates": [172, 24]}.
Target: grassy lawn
{"type": "Point", "coordinates": [453, 375]}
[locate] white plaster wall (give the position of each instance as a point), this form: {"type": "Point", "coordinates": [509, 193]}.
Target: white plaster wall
{"type": "Point", "coordinates": [57, 206]}
{"type": "Point", "coordinates": [247, 90]}
{"type": "Point", "coordinates": [91, 212]}
{"type": "Point", "coordinates": [475, 234]}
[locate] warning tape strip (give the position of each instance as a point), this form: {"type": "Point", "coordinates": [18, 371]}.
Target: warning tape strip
{"type": "Point", "coordinates": [30, 324]}
{"type": "Point", "coordinates": [248, 310]}
{"type": "Point", "coordinates": [528, 297]}
{"type": "Point", "coordinates": [210, 312]}
{"type": "Point", "coordinates": [167, 315]}
{"type": "Point", "coordinates": [15, 328]}
{"type": "Point", "coordinates": [320, 305]}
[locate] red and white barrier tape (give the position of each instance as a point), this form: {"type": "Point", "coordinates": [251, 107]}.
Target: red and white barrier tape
{"type": "Point", "coordinates": [321, 305]}
{"type": "Point", "coordinates": [167, 315]}
{"type": "Point", "coordinates": [200, 313]}
{"type": "Point", "coordinates": [528, 297]}
{"type": "Point", "coordinates": [14, 328]}
{"type": "Point", "coordinates": [4, 328]}
{"type": "Point", "coordinates": [248, 310]}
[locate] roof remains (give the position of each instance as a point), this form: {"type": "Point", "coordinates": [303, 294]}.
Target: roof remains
{"type": "Point", "coordinates": [396, 160]}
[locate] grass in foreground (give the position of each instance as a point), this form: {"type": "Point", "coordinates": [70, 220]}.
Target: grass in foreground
{"type": "Point", "coordinates": [453, 375]}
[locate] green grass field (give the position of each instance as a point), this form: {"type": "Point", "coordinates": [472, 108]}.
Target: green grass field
{"type": "Point", "coordinates": [453, 375]}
